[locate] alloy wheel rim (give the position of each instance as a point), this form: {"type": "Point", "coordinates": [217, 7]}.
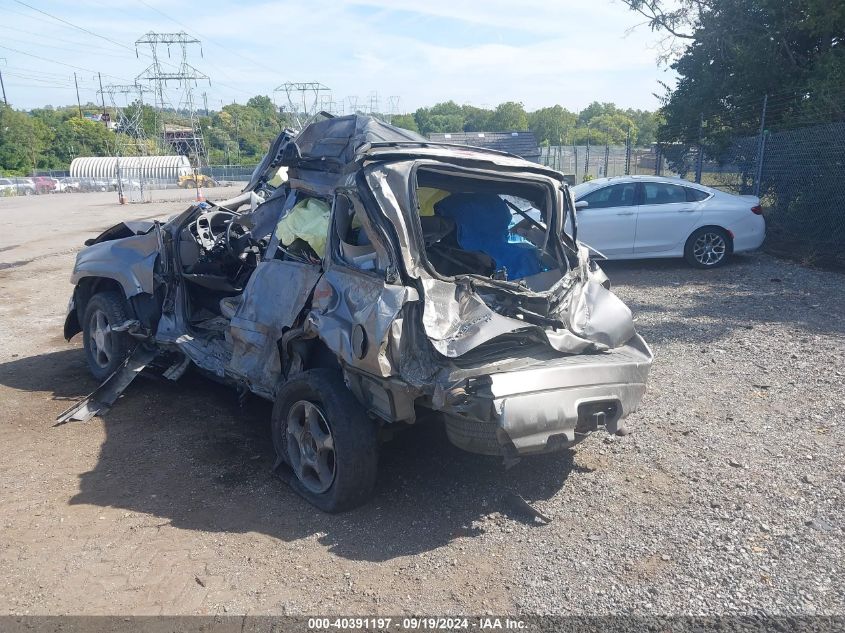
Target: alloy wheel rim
{"type": "Point", "coordinates": [709, 249]}
{"type": "Point", "coordinates": [310, 446]}
{"type": "Point", "coordinates": [101, 338]}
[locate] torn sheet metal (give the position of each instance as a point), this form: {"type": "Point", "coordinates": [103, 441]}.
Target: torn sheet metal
{"type": "Point", "coordinates": [274, 296]}
{"type": "Point", "coordinates": [353, 313]}
{"type": "Point", "coordinates": [591, 311]}
{"type": "Point", "coordinates": [100, 400]}
{"type": "Point", "coordinates": [456, 320]}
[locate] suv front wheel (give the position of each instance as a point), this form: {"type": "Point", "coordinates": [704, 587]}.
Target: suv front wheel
{"type": "Point", "coordinates": [105, 350]}
{"type": "Point", "coordinates": [331, 445]}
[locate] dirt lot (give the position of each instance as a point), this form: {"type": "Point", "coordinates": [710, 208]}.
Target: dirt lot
{"type": "Point", "coordinates": [727, 497]}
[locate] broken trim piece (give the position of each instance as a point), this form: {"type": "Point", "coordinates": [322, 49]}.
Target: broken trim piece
{"type": "Point", "coordinates": [101, 399]}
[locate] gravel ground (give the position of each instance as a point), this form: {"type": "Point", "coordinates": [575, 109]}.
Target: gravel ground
{"type": "Point", "coordinates": [726, 496]}
{"type": "Point", "coordinates": [729, 494]}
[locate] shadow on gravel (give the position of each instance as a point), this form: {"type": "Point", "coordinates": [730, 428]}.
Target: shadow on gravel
{"type": "Point", "coordinates": [187, 453]}
{"type": "Point", "coordinates": [63, 373]}
{"type": "Point", "coordinates": [704, 306]}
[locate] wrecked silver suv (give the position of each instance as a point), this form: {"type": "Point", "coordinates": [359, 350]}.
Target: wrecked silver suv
{"type": "Point", "coordinates": [367, 275]}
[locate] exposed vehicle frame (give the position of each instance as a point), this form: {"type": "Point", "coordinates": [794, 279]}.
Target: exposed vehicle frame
{"type": "Point", "coordinates": [355, 343]}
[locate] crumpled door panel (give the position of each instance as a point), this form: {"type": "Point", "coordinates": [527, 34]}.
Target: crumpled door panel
{"type": "Point", "coordinates": [345, 301]}
{"type": "Point", "coordinates": [276, 293]}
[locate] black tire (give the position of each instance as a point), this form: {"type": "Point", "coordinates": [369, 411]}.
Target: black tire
{"type": "Point", "coordinates": [353, 435]}
{"type": "Point", "coordinates": [105, 352]}
{"type": "Point", "coordinates": [708, 247]}
{"type": "Point", "coordinates": [190, 184]}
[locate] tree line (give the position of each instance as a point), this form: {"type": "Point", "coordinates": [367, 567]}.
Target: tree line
{"type": "Point", "coordinates": [239, 134]}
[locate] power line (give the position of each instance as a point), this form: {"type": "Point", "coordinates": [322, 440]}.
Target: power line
{"type": "Point", "coordinates": [53, 61]}
{"type": "Point", "coordinates": [106, 39]}
{"type": "Point", "coordinates": [71, 24]}
{"type": "Point", "coordinates": [205, 38]}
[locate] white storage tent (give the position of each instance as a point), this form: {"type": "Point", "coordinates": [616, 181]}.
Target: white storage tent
{"type": "Point", "coordinates": [139, 167]}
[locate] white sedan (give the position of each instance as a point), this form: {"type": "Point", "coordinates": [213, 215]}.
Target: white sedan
{"type": "Point", "coordinates": [639, 217]}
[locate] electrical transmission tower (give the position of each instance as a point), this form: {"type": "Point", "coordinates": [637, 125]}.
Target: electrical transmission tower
{"type": "Point", "coordinates": [131, 141]}
{"type": "Point", "coordinates": [127, 101]}
{"type": "Point", "coordinates": [303, 99]}
{"type": "Point", "coordinates": [187, 140]}
{"type": "Point", "coordinates": [328, 104]}
{"type": "Point", "coordinates": [392, 107]}
{"type": "Point", "coordinates": [353, 104]}
{"type": "Point", "coordinates": [373, 107]}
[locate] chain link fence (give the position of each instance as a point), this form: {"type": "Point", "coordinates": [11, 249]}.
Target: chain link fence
{"type": "Point", "coordinates": [131, 182]}
{"type": "Point", "coordinates": [585, 162]}
{"type": "Point", "coordinates": [798, 173]}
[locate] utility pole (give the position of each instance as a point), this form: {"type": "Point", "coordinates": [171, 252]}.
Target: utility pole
{"type": "Point", "coordinates": [102, 96]}
{"type": "Point", "coordinates": [699, 163]}
{"type": "Point", "coordinates": [78, 102]}
{"type": "Point", "coordinates": [606, 151]}
{"type": "Point", "coordinates": [628, 152]}
{"type": "Point", "coordinates": [761, 146]}
{"type": "Point", "coordinates": [2, 85]}
{"type": "Point", "coordinates": [587, 155]}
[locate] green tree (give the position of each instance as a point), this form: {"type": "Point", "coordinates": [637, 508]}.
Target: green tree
{"type": "Point", "coordinates": [23, 140]}
{"type": "Point", "coordinates": [441, 117]}
{"type": "Point", "coordinates": [509, 116]}
{"type": "Point", "coordinates": [612, 128]}
{"type": "Point", "coordinates": [405, 121]}
{"type": "Point", "coordinates": [477, 119]}
{"type": "Point", "coordinates": [552, 126]}
{"type": "Point", "coordinates": [736, 51]}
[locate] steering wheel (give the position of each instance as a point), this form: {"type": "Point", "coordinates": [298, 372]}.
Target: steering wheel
{"type": "Point", "coordinates": [235, 233]}
{"type": "Point", "coordinates": [204, 227]}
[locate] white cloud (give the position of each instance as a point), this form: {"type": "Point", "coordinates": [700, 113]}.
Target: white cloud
{"type": "Point", "coordinates": [535, 51]}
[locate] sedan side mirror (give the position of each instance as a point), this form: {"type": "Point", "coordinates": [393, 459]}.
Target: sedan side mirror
{"type": "Point", "coordinates": [582, 204]}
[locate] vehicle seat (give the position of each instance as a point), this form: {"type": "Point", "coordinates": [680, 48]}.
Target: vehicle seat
{"type": "Point", "coordinates": [435, 228]}
{"type": "Point", "coordinates": [483, 220]}
{"type": "Point", "coordinates": [229, 305]}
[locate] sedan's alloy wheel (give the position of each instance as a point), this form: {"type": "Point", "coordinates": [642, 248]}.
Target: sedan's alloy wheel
{"type": "Point", "coordinates": [709, 249]}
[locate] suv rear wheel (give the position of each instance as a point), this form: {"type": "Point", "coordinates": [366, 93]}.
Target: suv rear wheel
{"type": "Point", "coordinates": [105, 350]}
{"type": "Point", "coordinates": [322, 432]}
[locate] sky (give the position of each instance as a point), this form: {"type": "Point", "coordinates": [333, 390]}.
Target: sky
{"type": "Point", "coordinates": [538, 52]}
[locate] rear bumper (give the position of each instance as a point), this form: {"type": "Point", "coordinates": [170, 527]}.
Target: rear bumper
{"type": "Point", "coordinates": [558, 404]}
{"type": "Point", "coordinates": [749, 234]}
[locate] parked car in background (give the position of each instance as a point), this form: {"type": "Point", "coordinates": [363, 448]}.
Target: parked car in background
{"type": "Point", "coordinates": [639, 217]}
{"type": "Point", "coordinates": [24, 186]}
{"type": "Point", "coordinates": [93, 184]}
{"type": "Point", "coordinates": [71, 185]}
{"type": "Point", "coordinates": [7, 187]}
{"type": "Point", "coordinates": [44, 184]}
{"type": "Point", "coordinates": [125, 183]}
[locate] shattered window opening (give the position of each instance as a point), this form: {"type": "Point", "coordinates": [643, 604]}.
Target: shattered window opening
{"type": "Point", "coordinates": [355, 243]}
{"type": "Point", "coordinates": [489, 227]}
